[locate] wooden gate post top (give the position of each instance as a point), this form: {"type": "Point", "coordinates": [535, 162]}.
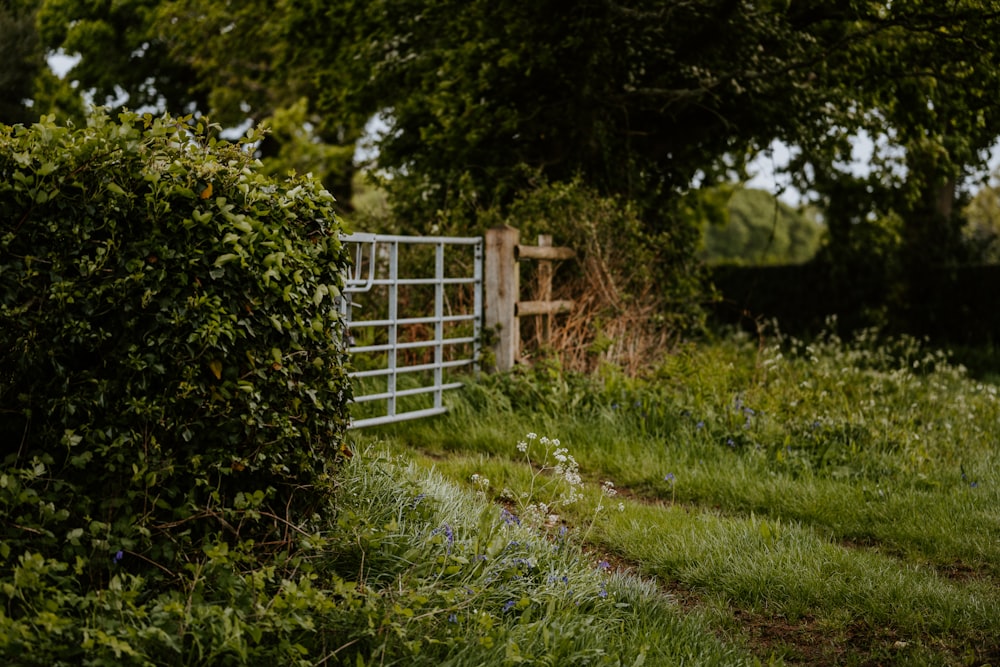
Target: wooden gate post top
{"type": "Point", "coordinates": [502, 290]}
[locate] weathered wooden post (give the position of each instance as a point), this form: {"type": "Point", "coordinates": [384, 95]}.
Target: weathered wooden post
{"type": "Point", "coordinates": [502, 284]}
{"type": "Point", "coordinates": [545, 291]}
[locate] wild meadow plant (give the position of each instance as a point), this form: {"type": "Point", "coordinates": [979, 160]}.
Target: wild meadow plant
{"type": "Point", "coordinates": [554, 484]}
{"type": "Point", "coordinates": [438, 576]}
{"type": "Point", "coordinates": [840, 493]}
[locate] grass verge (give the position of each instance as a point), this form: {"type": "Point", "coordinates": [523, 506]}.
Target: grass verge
{"type": "Point", "coordinates": [833, 502]}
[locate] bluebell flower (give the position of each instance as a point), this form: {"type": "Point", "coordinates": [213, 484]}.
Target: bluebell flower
{"type": "Point", "coordinates": [604, 565]}
{"type": "Point", "coordinates": [453, 618]}
{"type": "Point", "coordinates": [509, 517]}
{"type": "Point", "coordinates": [449, 534]}
{"type": "Point", "coordinates": [669, 478]}
{"type": "Point", "coordinates": [508, 605]}
{"type": "Point", "coordinates": [603, 593]}
{"type": "Point", "coordinates": [119, 556]}
{"type": "Point", "coordinates": [700, 425]}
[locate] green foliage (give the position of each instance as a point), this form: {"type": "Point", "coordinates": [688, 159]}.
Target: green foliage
{"type": "Point", "coordinates": [482, 97]}
{"type": "Point", "coordinates": [643, 101]}
{"type": "Point", "coordinates": [982, 231]}
{"type": "Point", "coordinates": [119, 52]}
{"type": "Point", "coordinates": [760, 229]}
{"type": "Point", "coordinates": [620, 262]}
{"type": "Point", "coordinates": [171, 367]}
{"type": "Point", "coordinates": [794, 490]}
{"type": "Point", "coordinates": [21, 54]}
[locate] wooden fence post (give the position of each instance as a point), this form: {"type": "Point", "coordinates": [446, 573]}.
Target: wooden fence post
{"type": "Point", "coordinates": [502, 289]}
{"type": "Point", "coordinates": [544, 336]}
{"type": "Point", "coordinates": [502, 284]}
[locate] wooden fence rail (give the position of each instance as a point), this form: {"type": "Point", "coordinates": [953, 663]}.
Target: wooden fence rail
{"type": "Point", "coordinates": [502, 285]}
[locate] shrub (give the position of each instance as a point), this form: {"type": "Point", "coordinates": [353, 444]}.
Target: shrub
{"type": "Point", "coordinates": [171, 362]}
{"type": "Point", "coordinates": [636, 292]}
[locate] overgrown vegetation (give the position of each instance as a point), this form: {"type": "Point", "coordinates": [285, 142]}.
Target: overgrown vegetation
{"type": "Point", "coordinates": [172, 390]}
{"type": "Point", "coordinates": [174, 488]}
{"type": "Point", "coordinates": [760, 229]}
{"type": "Point", "coordinates": [824, 502]}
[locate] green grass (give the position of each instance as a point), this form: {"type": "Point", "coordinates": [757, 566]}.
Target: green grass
{"type": "Point", "coordinates": [833, 502]}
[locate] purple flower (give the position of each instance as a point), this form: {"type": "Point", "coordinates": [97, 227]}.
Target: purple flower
{"type": "Point", "coordinates": [119, 556]}
{"type": "Point", "coordinates": [604, 566]}
{"type": "Point", "coordinates": [509, 518]}
{"type": "Point", "coordinates": [669, 478]}
{"type": "Point", "coordinates": [508, 605]}
{"type": "Point", "coordinates": [449, 534]}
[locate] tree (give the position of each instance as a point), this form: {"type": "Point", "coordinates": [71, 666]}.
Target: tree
{"type": "Point", "coordinates": [220, 60]}
{"type": "Point", "coordinates": [119, 53]}
{"type": "Point", "coordinates": [918, 84]}
{"type": "Point", "coordinates": [761, 229]}
{"type": "Point", "coordinates": [643, 100]}
{"type": "Point", "coordinates": [20, 50]}
{"type": "Point", "coordinates": [982, 233]}
{"type": "Point", "coordinates": [483, 96]}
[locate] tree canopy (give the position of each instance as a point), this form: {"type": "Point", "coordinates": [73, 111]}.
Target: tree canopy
{"type": "Point", "coordinates": [761, 229]}
{"type": "Point", "coordinates": [646, 100]}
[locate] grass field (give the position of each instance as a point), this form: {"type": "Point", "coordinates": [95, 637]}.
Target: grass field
{"type": "Point", "coordinates": [773, 502]}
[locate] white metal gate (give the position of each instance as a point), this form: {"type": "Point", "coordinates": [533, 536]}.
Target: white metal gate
{"type": "Point", "coordinates": [410, 329]}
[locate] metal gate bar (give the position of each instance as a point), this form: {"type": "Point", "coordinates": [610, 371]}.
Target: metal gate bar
{"type": "Point", "coordinates": [383, 253]}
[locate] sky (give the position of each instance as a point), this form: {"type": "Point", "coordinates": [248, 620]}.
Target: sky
{"type": "Point", "coordinates": [765, 168]}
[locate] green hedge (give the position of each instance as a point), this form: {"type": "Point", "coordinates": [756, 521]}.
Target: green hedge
{"type": "Point", "coordinates": [956, 305]}
{"type": "Point", "coordinates": [171, 356]}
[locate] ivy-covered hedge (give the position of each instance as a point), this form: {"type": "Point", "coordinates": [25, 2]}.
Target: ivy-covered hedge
{"type": "Point", "coordinates": [171, 358]}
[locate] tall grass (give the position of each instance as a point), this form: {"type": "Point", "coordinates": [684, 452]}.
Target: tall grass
{"type": "Point", "coordinates": [451, 579]}
{"type": "Point", "coordinates": [827, 488]}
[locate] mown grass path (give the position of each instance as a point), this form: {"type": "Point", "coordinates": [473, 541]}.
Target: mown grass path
{"type": "Point", "coordinates": [833, 503]}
